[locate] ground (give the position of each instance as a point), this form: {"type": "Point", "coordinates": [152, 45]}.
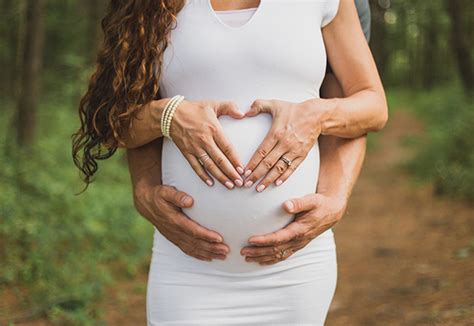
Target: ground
{"type": "Point", "coordinates": [405, 257]}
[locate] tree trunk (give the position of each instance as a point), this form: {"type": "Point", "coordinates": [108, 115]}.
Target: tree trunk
{"type": "Point", "coordinates": [430, 49]}
{"type": "Point", "coordinates": [94, 11]}
{"type": "Point", "coordinates": [459, 41]}
{"type": "Point", "coordinates": [30, 75]}
{"type": "Point", "coordinates": [378, 39]}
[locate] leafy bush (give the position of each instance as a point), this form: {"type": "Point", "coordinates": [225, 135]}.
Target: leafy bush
{"type": "Point", "coordinates": [446, 154]}
{"type": "Point", "coordinates": [62, 248]}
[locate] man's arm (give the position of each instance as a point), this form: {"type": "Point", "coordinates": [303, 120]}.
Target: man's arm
{"type": "Point", "coordinates": [341, 158]}
{"type": "Point", "coordinates": [162, 204]}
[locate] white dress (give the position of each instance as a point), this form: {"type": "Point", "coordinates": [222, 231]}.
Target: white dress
{"type": "Point", "coordinates": [278, 53]}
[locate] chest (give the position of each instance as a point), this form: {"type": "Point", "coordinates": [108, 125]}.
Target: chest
{"type": "Point", "coordinates": [281, 40]}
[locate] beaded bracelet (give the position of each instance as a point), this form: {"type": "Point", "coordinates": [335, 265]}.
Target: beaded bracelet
{"type": "Point", "coordinates": [168, 113]}
{"type": "Point", "coordinates": [165, 114]}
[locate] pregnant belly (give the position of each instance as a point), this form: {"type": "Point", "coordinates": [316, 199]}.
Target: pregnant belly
{"type": "Point", "coordinates": [239, 213]}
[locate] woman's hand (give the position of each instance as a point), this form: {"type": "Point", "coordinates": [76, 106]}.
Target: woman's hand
{"type": "Point", "coordinates": [295, 129]}
{"type": "Point", "coordinates": [161, 205]}
{"type": "Point", "coordinates": [315, 214]}
{"type": "Point", "coordinates": [197, 132]}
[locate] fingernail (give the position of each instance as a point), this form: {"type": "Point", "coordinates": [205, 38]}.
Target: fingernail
{"type": "Point", "coordinates": [219, 239]}
{"type": "Point", "coordinates": [209, 183]}
{"type": "Point", "coordinates": [289, 205]}
{"type": "Point", "coordinates": [240, 170]}
{"type": "Point", "coordinates": [238, 182]}
{"type": "Point", "coordinates": [248, 184]}
{"type": "Point", "coordinates": [278, 182]}
{"type": "Point", "coordinates": [260, 188]}
{"type": "Point", "coordinates": [247, 173]}
{"type": "Point", "coordinates": [185, 201]}
{"type": "Point", "coordinates": [229, 184]}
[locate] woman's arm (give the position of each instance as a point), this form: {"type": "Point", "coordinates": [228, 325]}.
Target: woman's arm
{"type": "Point", "coordinates": [196, 131]}
{"type": "Point", "coordinates": [364, 106]}
{"type": "Point", "coordinates": [146, 126]}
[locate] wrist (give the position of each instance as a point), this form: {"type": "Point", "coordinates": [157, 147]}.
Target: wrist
{"type": "Point", "coordinates": [342, 192]}
{"type": "Point", "coordinates": [323, 111]}
{"type": "Point", "coordinates": [168, 114]}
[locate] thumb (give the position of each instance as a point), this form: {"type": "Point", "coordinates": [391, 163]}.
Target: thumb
{"type": "Point", "coordinates": [176, 197]}
{"type": "Point", "coordinates": [259, 106]}
{"type": "Point", "coordinates": [301, 204]}
{"type": "Point", "coordinates": [229, 108]}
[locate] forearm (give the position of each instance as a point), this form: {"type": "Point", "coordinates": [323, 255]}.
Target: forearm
{"type": "Point", "coordinates": [340, 159]}
{"type": "Point", "coordinates": [145, 126]}
{"type": "Point", "coordinates": [350, 116]}
{"type": "Point", "coordinates": [144, 164]}
{"type": "Point", "coordinates": [341, 162]}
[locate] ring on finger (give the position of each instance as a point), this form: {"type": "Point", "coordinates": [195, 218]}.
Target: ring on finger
{"type": "Point", "coordinates": [283, 253]}
{"type": "Point", "coordinates": [287, 161]}
{"type": "Point", "coordinates": [203, 161]}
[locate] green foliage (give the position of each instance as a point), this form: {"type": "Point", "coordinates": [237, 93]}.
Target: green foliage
{"type": "Point", "coordinates": [62, 248]}
{"type": "Point", "coordinates": [445, 155]}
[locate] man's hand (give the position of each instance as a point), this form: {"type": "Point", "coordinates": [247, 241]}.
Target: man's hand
{"type": "Point", "coordinates": [315, 213]}
{"type": "Point", "coordinates": [161, 205]}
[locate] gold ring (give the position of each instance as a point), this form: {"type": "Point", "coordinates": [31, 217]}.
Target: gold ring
{"type": "Point", "coordinates": [283, 253]}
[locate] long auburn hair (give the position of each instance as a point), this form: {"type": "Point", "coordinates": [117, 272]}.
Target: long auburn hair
{"type": "Point", "coordinates": [126, 76]}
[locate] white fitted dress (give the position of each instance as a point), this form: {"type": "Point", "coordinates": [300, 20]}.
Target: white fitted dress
{"type": "Point", "coordinates": [275, 51]}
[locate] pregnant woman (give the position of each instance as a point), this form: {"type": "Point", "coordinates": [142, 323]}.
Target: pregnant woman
{"type": "Point", "coordinates": [237, 102]}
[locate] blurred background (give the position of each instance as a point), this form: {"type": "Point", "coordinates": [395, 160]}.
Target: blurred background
{"type": "Point", "coordinates": [405, 246]}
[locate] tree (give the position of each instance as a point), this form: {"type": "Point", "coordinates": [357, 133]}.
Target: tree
{"type": "Point", "coordinates": [31, 70]}
{"type": "Point", "coordinates": [459, 12]}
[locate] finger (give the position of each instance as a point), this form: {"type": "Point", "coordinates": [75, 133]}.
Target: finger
{"type": "Point", "coordinates": [255, 251]}
{"type": "Point", "coordinates": [220, 167]}
{"type": "Point", "coordinates": [230, 153]}
{"type": "Point", "coordinates": [259, 259]}
{"type": "Point", "coordinates": [195, 229]}
{"type": "Point", "coordinates": [274, 251]}
{"type": "Point", "coordinates": [278, 169]}
{"type": "Point", "coordinates": [197, 251]}
{"type": "Point", "coordinates": [175, 197]}
{"type": "Point", "coordinates": [289, 252]}
{"type": "Point", "coordinates": [302, 204]}
{"type": "Point", "coordinates": [229, 108]}
{"type": "Point", "coordinates": [217, 248]}
{"type": "Point", "coordinates": [199, 169]}
{"type": "Point", "coordinates": [294, 165]}
{"type": "Point", "coordinates": [266, 147]}
{"type": "Point", "coordinates": [294, 230]}
{"type": "Point", "coordinates": [265, 166]}
{"type": "Point", "coordinates": [200, 253]}
{"type": "Point", "coordinates": [260, 106]}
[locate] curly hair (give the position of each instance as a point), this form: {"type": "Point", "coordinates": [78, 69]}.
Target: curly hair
{"type": "Point", "coordinates": [136, 34]}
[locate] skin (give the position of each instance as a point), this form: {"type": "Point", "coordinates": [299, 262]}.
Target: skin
{"type": "Point", "coordinates": [341, 159]}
